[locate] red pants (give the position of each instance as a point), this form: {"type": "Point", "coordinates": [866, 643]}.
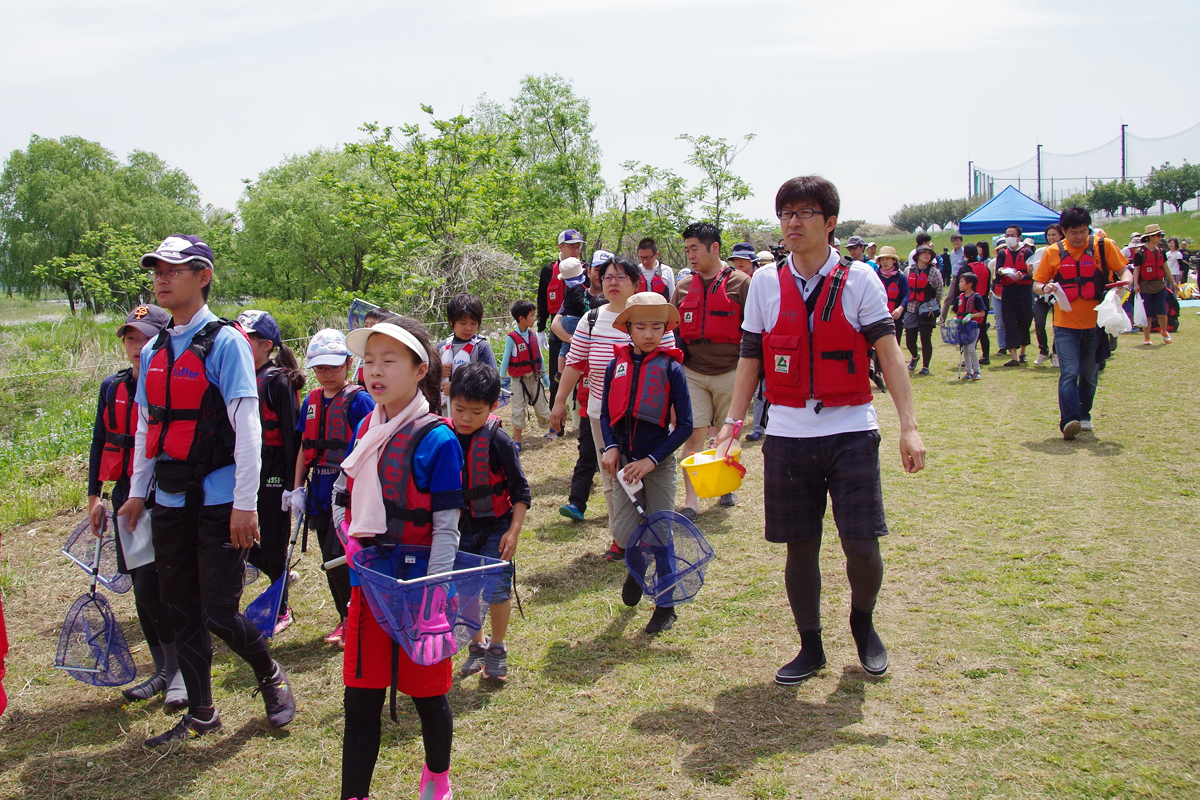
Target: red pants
{"type": "Point", "coordinates": [376, 657]}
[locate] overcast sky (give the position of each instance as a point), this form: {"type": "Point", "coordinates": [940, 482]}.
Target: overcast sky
{"type": "Point", "coordinates": [887, 98]}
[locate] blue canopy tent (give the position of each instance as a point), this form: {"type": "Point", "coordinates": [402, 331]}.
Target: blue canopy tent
{"type": "Point", "coordinates": [1010, 207]}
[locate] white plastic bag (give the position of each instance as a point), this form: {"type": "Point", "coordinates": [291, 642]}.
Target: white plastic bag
{"type": "Point", "coordinates": [1139, 312]}
{"type": "Point", "coordinates": [1111, 316]}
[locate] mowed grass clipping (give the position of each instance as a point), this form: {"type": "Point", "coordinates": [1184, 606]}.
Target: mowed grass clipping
{"type": "Point", "coordinates": [1040, 605]}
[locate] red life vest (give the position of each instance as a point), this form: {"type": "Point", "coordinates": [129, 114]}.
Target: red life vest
{"type": "Point", "coordinates": [965, 308]}
{"type": "Point", "coordinates": [409, 509]}
{"type": "Point", "coordinates": [118, 415]}
{"type": "Point", "coordinates": [556, 290]}
{"type": "Point", "coordinates": [830, 362]}
{"type": "Point", "coordinates": [641, 391]}
{"type": "Point", "coordinates": [272, 432]}
{"type": "Point", "coordinates": [1012, 259]}
{"type": "Point", "coordinates": [187, 416]}
{"type": "Point", "coordinates": [1153, 266]}
{"type": "Point", "coordinates": [485, 490]}
{"type": "Point", "coordinates": [919, 290]}
{"type": "Point", "coordinates": [525, 355]}
{"type": "Point", "coordinates": [892, 286]}
{"type": "Point", "coordinates": [1079, 277]}
{"type": "Point", "coordinates": [983, 278]}
{"type": "Point", "coordinates": [710, 316]}
{"type": "Point", "coordinates": [657, 284]}
{"type": "Point", "coordinates": [327, 431]}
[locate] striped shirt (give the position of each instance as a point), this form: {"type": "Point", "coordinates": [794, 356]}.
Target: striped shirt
{"type": "Point", "coordinates": [592, 349]}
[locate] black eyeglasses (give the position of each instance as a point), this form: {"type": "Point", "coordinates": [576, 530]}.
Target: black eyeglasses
{"type": "Point", "coordinates": [803, 213]}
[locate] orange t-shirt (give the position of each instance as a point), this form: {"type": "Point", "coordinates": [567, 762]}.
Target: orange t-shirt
{"type": "Point", "coordinates": [1083, 312]}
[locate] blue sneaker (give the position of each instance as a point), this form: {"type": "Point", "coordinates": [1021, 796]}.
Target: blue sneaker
{"type": "Point", "coordinates": [518, 444]}
{"type": "Point", "coordinates": [755, 436]}
{"type": "Point", "coordinates": [571, 511]}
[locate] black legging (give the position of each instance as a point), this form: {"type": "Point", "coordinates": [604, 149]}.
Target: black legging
{"type": "Point", "coordinates": [193, 644]}
{"type": "Point", "coordinates": [360, 742]}
{"type": "Point", "coordinates": [269, 554]}
{"type": "Point", "coordinates": [910, 335]}
{"type": "Point", "coordinates": [1040, 311]}
{"type": "Point", "coordinates": [802, 578]}
{"type": "Point", "coordinates": [985, 342]}
{"type": "Point", "coordinates": [153, 614]}
{"type": "Point", "coordinates": [585, 463]}
{"type": "Point", "coordinates": [338, 578]}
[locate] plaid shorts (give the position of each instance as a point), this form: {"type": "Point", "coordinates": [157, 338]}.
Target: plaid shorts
{"type": "Point", "coordinates": [800, 473]}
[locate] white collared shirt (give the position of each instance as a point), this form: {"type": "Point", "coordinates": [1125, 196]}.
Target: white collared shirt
{"type": "Point", "coordinates": [864, 302]}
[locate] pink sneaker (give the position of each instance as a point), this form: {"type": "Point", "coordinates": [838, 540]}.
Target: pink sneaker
{"type": "Point", "coordinates": [435, 785]}
{"type": "Point", "coordinates": [337, 635]}
{"type": "Point", "coordinates": [283, 621]}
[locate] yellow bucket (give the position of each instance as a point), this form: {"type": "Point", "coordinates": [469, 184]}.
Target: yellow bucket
{"type": "Point", "coordinates": [712, 476]}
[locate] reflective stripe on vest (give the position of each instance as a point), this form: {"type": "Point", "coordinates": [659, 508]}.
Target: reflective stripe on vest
{"type": "Point", "coordinates": [485, 490]}
{"type": "Point", "coordinates": [525, 355]}
{"type": "Point", "coordinates": [712, 315]}
{"type": "Point", "coordinates": [116, 459]}
{"type": "Point", "coordinates": [828, 363]}
{"type": "Point", "coordinates": [556, 291]}
{"type": "Point", "coordinates": [642, 391]}
{"type": "Point", "coordinates": [327, 430]}
{"type": "Point", "coordinates": [1081, 278]}
{"type": "Point", "coordinates": [187, 417]}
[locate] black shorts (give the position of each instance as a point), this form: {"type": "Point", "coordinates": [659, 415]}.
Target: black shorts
{"type": "Point", "coordinates": [800, 473]}
{"type": "Point", "coordinates": [196, 562]}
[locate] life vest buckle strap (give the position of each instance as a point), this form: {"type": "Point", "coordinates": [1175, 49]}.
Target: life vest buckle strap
{"type": "Point", "coordinates": [121, 440]}
{"type": "Point", "coordinates": [840, 355]}
{"type": "Point", "coordinates": [417, 516]}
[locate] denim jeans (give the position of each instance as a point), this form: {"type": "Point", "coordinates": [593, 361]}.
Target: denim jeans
{"type": "Point", "coordinates": [998, 322]}
{"type": "Point", "coordinates": [1077, 373]}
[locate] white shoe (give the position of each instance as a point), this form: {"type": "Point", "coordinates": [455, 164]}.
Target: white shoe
{"type": "Point", "coordinates": [1085, 425]}
{"type": "Point", "coordinates": [293, 577]}
{"type": "Point", "coordinates": [1054, 359]}
{"type": "Point", "coordinates": [1041, 359]}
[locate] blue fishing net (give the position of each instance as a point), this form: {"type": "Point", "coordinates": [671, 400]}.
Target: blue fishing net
{"type": "Point", "coordinates": [263, 611]}
{"type": "Point", "coordinates": [960, 332]}
{"type": "Point", "coordinates": [396, 605]}
{"type": "Point", "coordinates": [251, 574]}
{"type": "Point", "coordinates": [668, 555]}
{"type": "Point", "coordinates": [357, 318]}
{"type": "Point", "coordinates": [81, 546]}
{"type": "Point", "coordinates": [91, 647]}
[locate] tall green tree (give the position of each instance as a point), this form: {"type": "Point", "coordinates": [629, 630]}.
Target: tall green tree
{"type": "Point", "coordinates": [1174, 185]}
{"type": "Point", "coordinates": [56, 191]}
{"type": "Point", "coordinates": [110, 278]}
{"type": "Point", "coordinates": [720, 187]}
{"type": "Point", "coordinates": [290, 244]}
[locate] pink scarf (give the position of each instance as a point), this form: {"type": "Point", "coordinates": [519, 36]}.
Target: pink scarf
{"type": "Point", "coordinates": [367, 514]}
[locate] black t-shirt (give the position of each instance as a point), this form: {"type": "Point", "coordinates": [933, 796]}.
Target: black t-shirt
{"type": "Point", "coordinates": [503, 455]}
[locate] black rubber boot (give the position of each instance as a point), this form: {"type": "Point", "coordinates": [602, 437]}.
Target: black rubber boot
{"type": "Point", "coordinates": [806, 663]}
{"type": "Point", "coordinates": [155, 683]}
{"type": "Point", "coordinates": [663, 619]}
{"type": "Point", "coordinates": [871, 653]}
{"type": "Point", "coordinates": [631, 592]}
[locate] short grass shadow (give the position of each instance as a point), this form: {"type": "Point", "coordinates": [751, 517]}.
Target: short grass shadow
{"type": "Point", "coordinates": [586, 662]}
{"type": "Point", "coordinates": [137, 769]}
{"type": "Point", "coordinates": [1057, 446]}
{"type": "Point", "coordinates": [757, 721]}
{"type": "Point", "coordinates": [587, 573]}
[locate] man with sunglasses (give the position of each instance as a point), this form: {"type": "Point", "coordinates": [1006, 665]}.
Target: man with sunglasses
{"type": "Point", "coordinates": [200, 437]}
{"type": "Point", "coordinates": [809, 323]}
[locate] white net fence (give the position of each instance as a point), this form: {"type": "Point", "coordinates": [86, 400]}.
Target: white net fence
{"type": "Point", "coordinates": [1065, 174]}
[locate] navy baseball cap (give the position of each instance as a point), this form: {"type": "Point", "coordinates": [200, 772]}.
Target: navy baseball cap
{"type": "Point", "coordinates": [745, 250]}
{"type": "Point", "coordinates": [148, 319]}
{"type": "Point", "coordinates": [179, 248]}
{"type": "Point", "coordinates": [260, 323]}
{"type": "Point", "coordinates": [856, 241]}
{"type": "Point", "coordinates": [570, 236]}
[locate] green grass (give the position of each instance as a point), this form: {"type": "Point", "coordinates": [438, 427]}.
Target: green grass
{"type": "Point", "coordinates": [1040, 604]}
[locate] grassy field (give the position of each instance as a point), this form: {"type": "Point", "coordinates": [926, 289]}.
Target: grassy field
{"type": "Point", "coordinates": [1040, 604]}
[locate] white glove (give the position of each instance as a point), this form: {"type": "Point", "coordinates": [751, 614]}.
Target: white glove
{"type": "Point", "coordinates": [299, 501]}
{"type": "Point", "coordinates": [286, 504]}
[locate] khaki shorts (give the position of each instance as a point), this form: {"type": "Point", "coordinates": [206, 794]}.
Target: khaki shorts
{"type": "Point", "coordinates": [711, 396]}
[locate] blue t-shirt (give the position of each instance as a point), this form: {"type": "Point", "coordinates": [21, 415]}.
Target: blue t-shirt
{"type": "Point", "coordinates": [321, 479]}
{"type": "Point", "coordinates": [230, 367]}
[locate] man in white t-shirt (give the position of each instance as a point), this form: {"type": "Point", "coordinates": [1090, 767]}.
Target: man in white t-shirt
{"type": "Point", "coordinates": [656, 276]}
{"type": "Point", "coordinates": [823, 435]}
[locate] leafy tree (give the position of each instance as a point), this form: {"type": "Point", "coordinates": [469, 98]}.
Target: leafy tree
{"type": "Point", "coordinates": [1106, 197]}
{"type": "Point", "coordinates": [112, 277]}
{"type": "Point", "coordinates": [847, 228]}
{"type": "Point", "coordinates": [720, 187]}
{"type": "Point", "coordinates": [1174, 185]}
{"type": "Point", "coordinates": [1138, 197]}
{"type": "Point", "coordinates": [937, 212]}
{"type": "Point", "coordinates": [290, 244]}
{"type": "Point", "coordinates": [56, 191]}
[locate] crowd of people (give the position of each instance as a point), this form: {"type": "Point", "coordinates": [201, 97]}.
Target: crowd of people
{"type": "Point", "coordinates": [207, 431]}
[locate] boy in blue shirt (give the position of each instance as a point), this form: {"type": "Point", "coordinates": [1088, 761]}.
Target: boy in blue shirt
{"type": "Point", "coordinates": [644, 386]}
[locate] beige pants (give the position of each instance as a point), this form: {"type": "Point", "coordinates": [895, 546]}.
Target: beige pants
{"type": "Point", "coordinates": [522, 388]}
{"type": "Point", "coordinates": [711, 397]}
{"type": "Point", "coordinates": [658, 494]}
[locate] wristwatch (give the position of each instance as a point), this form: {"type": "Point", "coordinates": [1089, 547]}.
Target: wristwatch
{"type": "Point", "coordinates": [731, 421]}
